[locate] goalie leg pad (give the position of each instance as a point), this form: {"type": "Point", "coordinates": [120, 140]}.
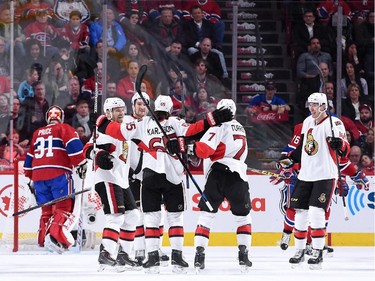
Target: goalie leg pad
{"type": "Point", "coordinates": [44, 223]}
{"type": "Point", "coordinates": [58, 229]}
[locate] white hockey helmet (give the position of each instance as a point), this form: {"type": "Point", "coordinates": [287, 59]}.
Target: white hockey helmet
{"type": "Point", "coordinates": [55, 113]}
{"type": "Point", "coordinates": [164, 103]}
{"type": "Point", "coordinates": [137, 96]}
{"type": "Point", "coordinates": [111, 103]}
{"type": "Point", "coordinates": [318, 98]}
{"type": "Point", "coordinates": [227, 103]}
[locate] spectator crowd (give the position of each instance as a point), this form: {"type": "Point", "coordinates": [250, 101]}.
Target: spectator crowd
{"type": "Point", "coordinates": [58, 60]}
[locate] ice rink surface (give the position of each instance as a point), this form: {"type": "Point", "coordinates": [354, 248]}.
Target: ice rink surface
{"type": "Point", "coordinates": [269, 263]}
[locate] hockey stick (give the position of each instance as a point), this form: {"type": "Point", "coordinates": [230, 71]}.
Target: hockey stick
{"type": "Point", "coordinates": [79, 239]}
{"type": "Point", "coordinates": [346, 214]}
{"type": "Point", "coordinates": [183, 110]}
{"type": "Point", "coordinates": [54, 201]}
{"type": "Point", "coordinates": [138, 82]}
{"type": "Point", "coordinates": [267, 173]}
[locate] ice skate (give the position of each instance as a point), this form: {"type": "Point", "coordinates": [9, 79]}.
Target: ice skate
{"type": "Point", "coordinates": [329, 251]}
{"type": "Point", "coordinates": [243, 259]}
{"type": "Point", "coordinates": [298, 258]}
{"type": "Point", "coordinates": [152, 265]}
{"type": "Point", "coordinates": [105, 260]}
{"type": "Point", "coordinates": [124, 262]}
{"type": "Point", "coordinates": [199, 259]}
{"type": "Point", "coordinates": [285, 240]}
{"type": "Point", "coordinates": [164, 259]}
{"type": "Point", "coordinates": [140, 257]}
{"type": "Point", "coordinates": [315, 262]}
{"type": "Point", "coordinates": [178, 262]}
{"type": "Point", "coordinates": [53, 245]}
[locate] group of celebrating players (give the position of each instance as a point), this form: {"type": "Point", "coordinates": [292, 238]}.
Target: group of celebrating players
{"type": "Point", "coordinates": [138, 173]}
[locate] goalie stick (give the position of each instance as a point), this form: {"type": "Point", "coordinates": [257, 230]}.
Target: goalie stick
{"type": "Point", "coordinates": [54, 201]}
{"type": "Point", "coordinates": [141, 74]}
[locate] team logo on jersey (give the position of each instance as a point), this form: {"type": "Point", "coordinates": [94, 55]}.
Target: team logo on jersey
{"type": "Point", "coordinates": [322, 198]}
{"type": "Point", "coordinates": [311, 147]}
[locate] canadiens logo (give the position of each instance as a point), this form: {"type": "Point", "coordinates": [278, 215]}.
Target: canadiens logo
{"type": "Point", "coordinates": [322, 198]}
{"type": "Point", "coordinates": [311, 147]}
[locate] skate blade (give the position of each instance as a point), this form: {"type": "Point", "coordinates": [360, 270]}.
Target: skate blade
{"type": "Point", "coordinates": [315, 266]}
{"type": "Point", "coordinates": [107, 267]}
{"type": "Point", "coordinates": [244, 269]}
{"type": "Point", "coordinates": [327, 254]}
{"type": "Point", "coordinates": [296, 265]}
{"type": "Point", "coordinates": [152, 270]}
{"type": "Point", "coordinates": [197, 270]}
{"type": "Point", "coordinates": [53, 247]}
{"type": "Point", "coordinates": [179, 269]}
{"type": "Point", "coordinates": [122, 268]}
{"type": "Point", "coordinates": [164, 263]}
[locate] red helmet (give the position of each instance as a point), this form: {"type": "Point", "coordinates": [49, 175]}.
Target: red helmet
{"type": "Point", "coordinates": [55, 113]}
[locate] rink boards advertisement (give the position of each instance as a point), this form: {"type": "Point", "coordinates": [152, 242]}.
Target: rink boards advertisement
{"type": "Point", "coordinates": [266, 214]}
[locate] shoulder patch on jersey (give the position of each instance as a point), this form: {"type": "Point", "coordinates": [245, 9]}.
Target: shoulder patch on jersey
{"type": "Point", "coordinates": [338, 122]}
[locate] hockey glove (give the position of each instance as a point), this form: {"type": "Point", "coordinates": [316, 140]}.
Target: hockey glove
{"type": "Point", "coordinates": [172, 146]}
{"type": "Point", "coordinates": [335, 143]}
{"type": "Point", "coordinates": [82, 169]}
{"type": "Point", "coordinates": [219, 116]}
{"type": "Point", "coordinates": [175, 146]}
{"type": "Point", "coordinates": [342, 188]}
{"type": "Point", "coordinates": [102, 123]}
{"type": "Point", "coordinates": [286, 175]}
{"type": "Point", "coordinates": [284, 163]}
{"type": "Point", "coordinates": [361, 181]}
{"type": "Point", "coordinates": [104, 160]}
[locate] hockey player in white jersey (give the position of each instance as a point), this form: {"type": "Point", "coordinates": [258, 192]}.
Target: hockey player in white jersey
{"type": "Point", "coordinates": [162, 174]}
{"type": "Point", "coordinates": [317, 178]}
{"type": "Point", "coordinates": [135, 157]}
{"type": "Point", "coordinates": [111, 174]}
{"type": "Point", "coordinates": [224, 149]}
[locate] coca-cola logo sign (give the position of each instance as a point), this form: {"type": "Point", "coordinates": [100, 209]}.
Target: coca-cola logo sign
{"type": "Point", "coordinates": [266, 116]}
{"type": "Point", "coordinates": [270, 116]}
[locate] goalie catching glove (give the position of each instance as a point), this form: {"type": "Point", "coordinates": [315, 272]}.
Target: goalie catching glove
{"type": "Point", "coordinates": [104, 160]}
{"type": "Point", "coordinates": [219, 116]}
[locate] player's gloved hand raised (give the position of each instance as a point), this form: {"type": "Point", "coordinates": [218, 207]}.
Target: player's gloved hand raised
{"type": "Point", "coordinates": [219, 116]}
{"type": "Point", "coordinates": [342, 188]}
{"type": "Point", "coordinates": [102, 123]}
{"type": "Point", "coordinates": [82, 169]}
{"type": "Point", "coordinates": [335, 143]}
{"type": "Point", "coordinates": [361, 181]}
{"type": "Point", "coordinates": [104, 160]}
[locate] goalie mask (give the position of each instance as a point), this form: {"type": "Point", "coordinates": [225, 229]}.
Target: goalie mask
{"type": "Point", "coordinates": [110, 104]}
{"type": "Point", "coordinates": [227, 103]}
{"type": "Point", "coordinates": [55, 113]}
{"type": "Point", "coordinates": [164, 103]}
